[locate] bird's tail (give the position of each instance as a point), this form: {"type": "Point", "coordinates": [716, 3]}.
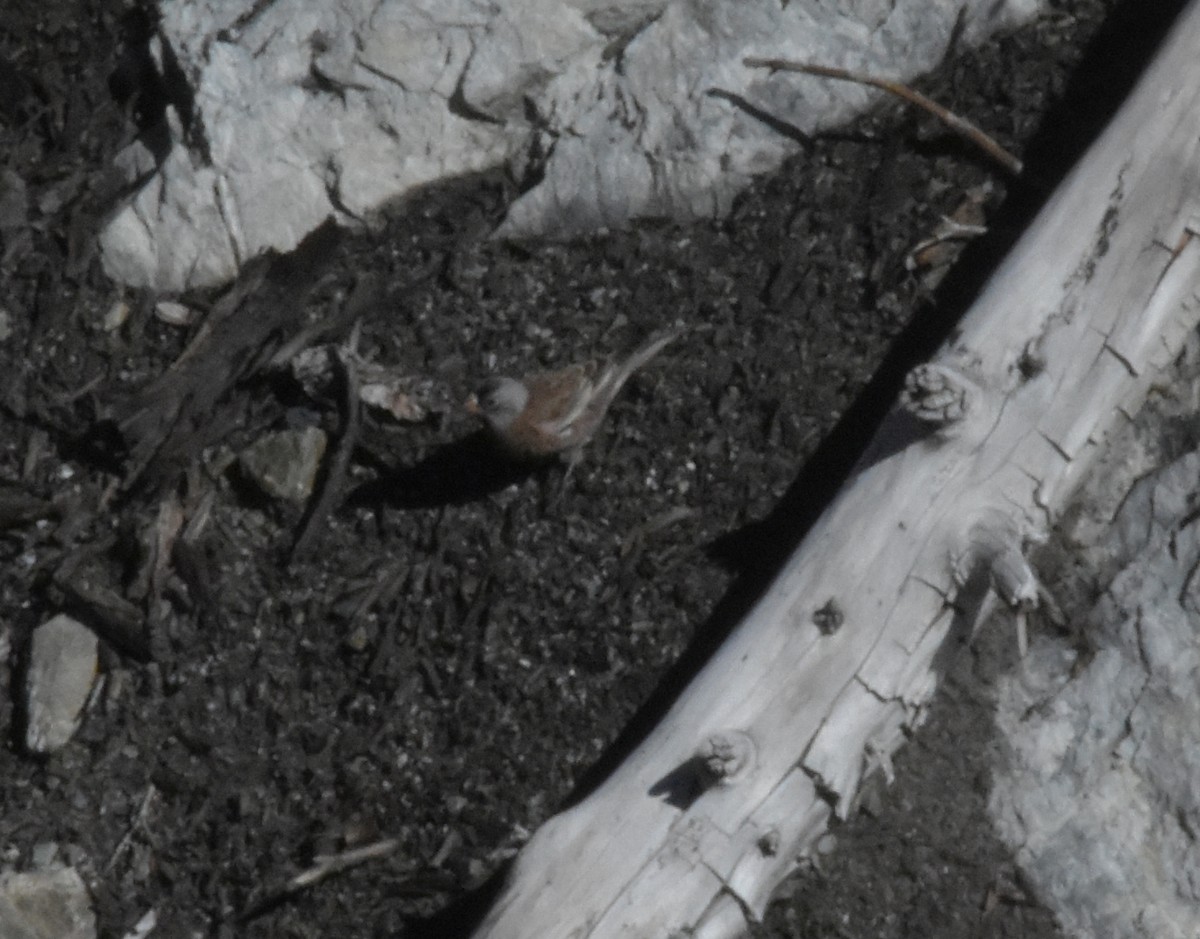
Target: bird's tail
{"type": "Point", "coordinates": [640, 356]}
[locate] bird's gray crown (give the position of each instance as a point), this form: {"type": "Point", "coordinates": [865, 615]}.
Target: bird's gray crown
{"type": "Point", "coordinates": [501, 400]}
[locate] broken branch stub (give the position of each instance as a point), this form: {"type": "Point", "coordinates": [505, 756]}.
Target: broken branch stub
{"type": "Point", "coordinates": [1102, 291]}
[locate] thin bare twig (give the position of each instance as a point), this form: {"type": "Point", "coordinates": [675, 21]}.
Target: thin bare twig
{"type": "Point", "coordinates": [139, 822]}
{"type": "Point", "coordinates": [324, 866]}
{"type": "Point", "coordinates": [960, 126]}
{"type": "Point", "coordinates": [335, 478]}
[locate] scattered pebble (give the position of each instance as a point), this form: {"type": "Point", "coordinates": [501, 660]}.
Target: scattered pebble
{"type": "Point", "coordinates": [357, 639]}
{"type": "Point", "coordinates": [116, 316]}
{"type": "Point", "coordinates": [407, 398]}
{"type": "Point", "coordinates": [62, 668]}
{"type": "Point", "coordinates": [284, 463]}
{"type": "Point", "coordinates": [175, 314]}
{"type": "Point", "coordinates": [45, 904]}
{"type": "Point", "coordinates": [313, 369]}
{"type": "Point", "coordinates": [44, 855]}
{"type": "Point", "coordinates": [144, 926]}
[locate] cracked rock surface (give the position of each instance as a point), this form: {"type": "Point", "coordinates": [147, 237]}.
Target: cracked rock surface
{"type": "Point", "coordinates": [1096, 789]}
{"type": "Point", "coordinates": [277, 116]}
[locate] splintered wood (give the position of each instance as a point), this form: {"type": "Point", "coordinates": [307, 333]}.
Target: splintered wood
{"type": "Point", "coordinates": [817, 687]}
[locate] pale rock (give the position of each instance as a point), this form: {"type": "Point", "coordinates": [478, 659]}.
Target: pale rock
{"type": "Point", "coordinates": [144, 926]}
{"type": "Point", "coordinates": [175, 314]}
{"type": "Point", "coordinates": [1097, 792]}
{"type": "Point", "coordinates": [306, 110]}
{"type": "Point", "coordinates": [45, 904]}
{"type": "Point", "coordinates": [62, 669]}
{"type": "Point", "coordinates": [284, 463]}
{"type": "Point", "coordinates": [116, 316]}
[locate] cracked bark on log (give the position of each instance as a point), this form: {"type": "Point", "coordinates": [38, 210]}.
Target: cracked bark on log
{"type": "Point", "coordinates": [821, 682]}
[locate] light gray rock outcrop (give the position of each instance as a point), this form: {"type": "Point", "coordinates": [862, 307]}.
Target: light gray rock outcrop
{"type": "Point", "coordinates": [1097, 791]}
{"type": "Point", "coordinates": [301, 110]}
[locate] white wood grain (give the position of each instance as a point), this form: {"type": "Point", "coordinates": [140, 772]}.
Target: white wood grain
{"type": "Point", "coordinates": [1097, 297]}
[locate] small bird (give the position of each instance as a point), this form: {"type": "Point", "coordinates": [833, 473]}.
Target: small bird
{"type": "Point", "coordinates": [557, 413]}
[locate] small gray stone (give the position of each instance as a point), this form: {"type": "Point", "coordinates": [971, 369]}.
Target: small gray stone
{"type": "Point", "coordinates": [284, 464]}
{"type": "Point", "coordinates": [14, 201]}
{"type": "Point", "coordinates": [175, 314]}
{"type": "Point", "coordinates": [62, 668]}
{"type": "Point", "coordinates": [47, 904]}
{"type": "Point", "coordinates": [44, 855]}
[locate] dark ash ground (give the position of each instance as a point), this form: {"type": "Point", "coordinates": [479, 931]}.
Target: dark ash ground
{"type": "Point", "coordinates": [457, 656]}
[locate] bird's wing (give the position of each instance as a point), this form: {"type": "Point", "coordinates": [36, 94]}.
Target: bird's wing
{"type": "Point", "coordinates": [557, 399]}
{"type": "Point", "coordinates": [617, 373]}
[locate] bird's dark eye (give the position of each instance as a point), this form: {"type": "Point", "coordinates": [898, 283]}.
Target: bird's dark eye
{"type": "Point", "coordinates": [490, 395]}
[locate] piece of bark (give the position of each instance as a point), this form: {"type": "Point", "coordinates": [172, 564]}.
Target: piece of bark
{"type": "Point", "coordinates": [167, 423]}
{"type": "Point", "coordinates": [19, 506]}
{"type": "Point", "coordinates": [991, 439]}
{"type": "Point", "coordinates": [335, 477]}
{"type": "Point", "coordinates": [113, 617]}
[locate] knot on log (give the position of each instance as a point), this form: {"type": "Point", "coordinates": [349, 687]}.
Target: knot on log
{"type": "Point", "coordinates": [727, 757]}
{"type": "Point", "coordinates": [939, 395]}
{"type": "Point", "coordinates": [769, 843]}
{"type": "Point", "coordinates": [829, 618]}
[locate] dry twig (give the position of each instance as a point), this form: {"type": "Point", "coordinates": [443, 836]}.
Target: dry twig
{"type": "Point", "coordinates": [324, 866]}
{"type": "Point", "coordinates": [331, 491]}
{"type": "Point", "coordinates": [959, 125]}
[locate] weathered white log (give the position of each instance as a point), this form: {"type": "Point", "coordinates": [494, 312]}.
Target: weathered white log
{"type": "Point", "coordinates": [302, 110]}
{"type": "Point", "coordinates": [816, 688]}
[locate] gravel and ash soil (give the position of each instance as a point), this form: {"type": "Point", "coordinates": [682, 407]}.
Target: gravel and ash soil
{"type": "Point", "coordinates": [454, 647]}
